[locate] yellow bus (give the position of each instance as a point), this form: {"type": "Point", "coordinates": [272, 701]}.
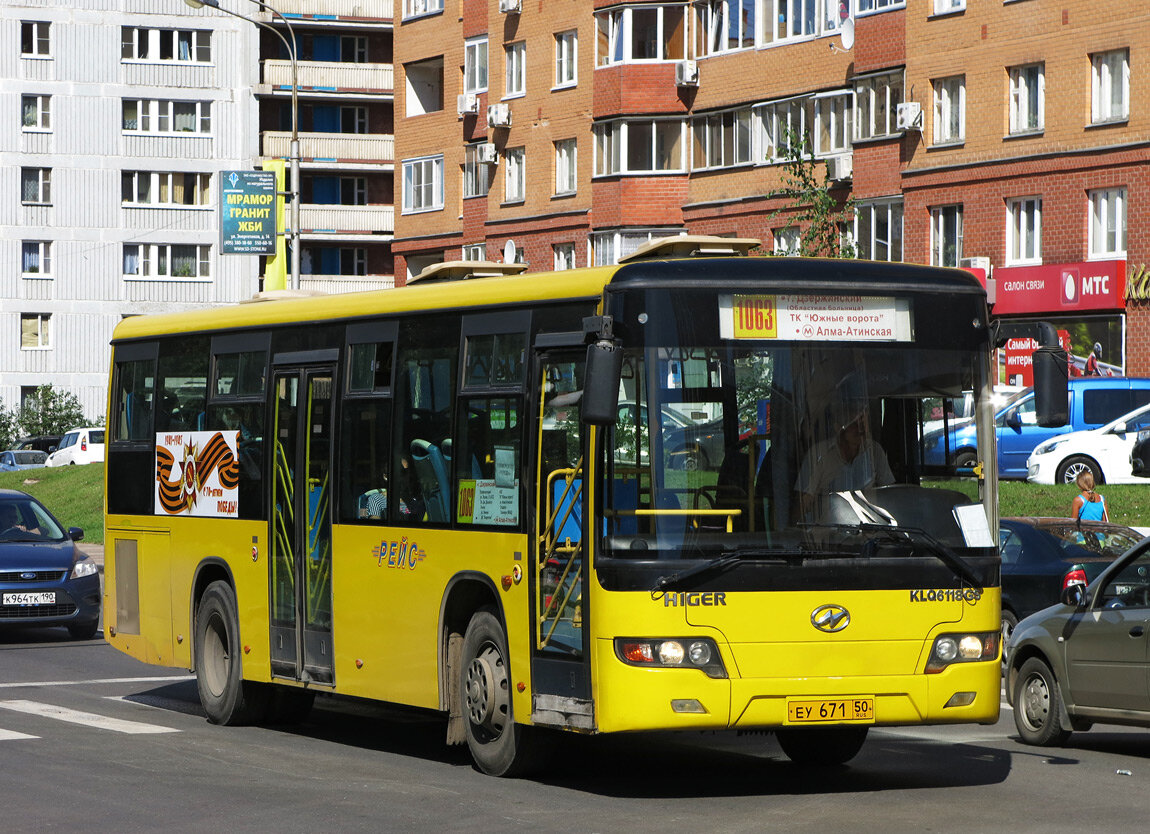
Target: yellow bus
{"type": "Point", "coordinates": [687, 492]}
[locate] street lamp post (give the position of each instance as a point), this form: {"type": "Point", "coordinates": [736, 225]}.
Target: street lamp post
{"type": "Point", "coordinates": [294, 159]}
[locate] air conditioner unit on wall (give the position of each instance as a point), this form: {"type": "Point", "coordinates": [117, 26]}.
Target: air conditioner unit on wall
{"type": "Point", "coordinates": [487, 154]}
{"type": "Point", "coordinates": [686, 74]}
{"type": "Point", "coordinates": [499, 115]}
{"type": "Point", "coordinates": [466, 103]}
{"type": "Point", "coordinates": [509, 6]}
{"type": "Point", "coordinates": [908, 115]}
{"type": "Point", "coordinates": [840, 167]}
{"type": "Point", "coordinates": [976, 263]}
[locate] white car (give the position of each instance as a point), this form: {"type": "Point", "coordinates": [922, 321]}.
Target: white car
{"type": "Point", "coordinates": [84, 445]}
{"type": "Point", "coordinates": [1105, 451]}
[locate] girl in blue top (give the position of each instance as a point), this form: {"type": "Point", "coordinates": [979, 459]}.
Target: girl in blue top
{"type": "Point", "coordinates": [1089, 506]}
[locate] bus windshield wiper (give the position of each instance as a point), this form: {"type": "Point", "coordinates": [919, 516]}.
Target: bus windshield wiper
{"type": "Point", "coordinates": [671, 581]}
{"type": "Point", "coordinates": [916, 535]}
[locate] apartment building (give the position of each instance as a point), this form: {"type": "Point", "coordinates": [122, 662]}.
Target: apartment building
{"type": "Point", "coordinates": [116, 127]}
{"type": "Point", "coordinates": [1006, 136]}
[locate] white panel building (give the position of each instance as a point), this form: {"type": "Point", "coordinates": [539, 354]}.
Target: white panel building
{"type": "Point", "coordinates": [115, 121]}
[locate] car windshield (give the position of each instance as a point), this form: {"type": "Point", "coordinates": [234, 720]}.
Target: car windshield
{"type": "Point", "coordinates": [25, 520]}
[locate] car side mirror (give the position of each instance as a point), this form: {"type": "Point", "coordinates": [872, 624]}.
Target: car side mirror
{"type": "Point", "coordinates": [76, 533]}
{"type": "Point", "coordinates": [1013, 419]}
{"type": "Point", "coordinates": [1119, 428]}
{"type": "Point", "coordinates": [1074, 596]}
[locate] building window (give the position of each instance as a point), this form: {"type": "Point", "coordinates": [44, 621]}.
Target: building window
{"type": "Point", "coordinates": [724, 25]}
{"type": "Point", "coordinates": [565, 167]}
{"type": "Point", "coordinates": [424, 82]}
{"type": "Point", "coordinates": [415, 8]}
{"type": "Point", "coordinates": [35, 331]}
{"type": "Point", "coordinates": [782, 20]}
{"type": "Point", "coordinates": [1108, 223]}
{"type": "Point", "coordinates": [946, 236]}
{"type": "Point", "coordinates": [165, 188]}
{"type": "Point", "coordinates": [607, 247]}
{"type": "Point", "coordinates": [148, 261]}
{"type": "Point", "coordinates": [515, 176]}
{"type": "Point", "coordinates": [36, 112]}
{"type": "Point", "coordinates": [475, 66]}
{"type": "Point", "coordinates": [475, 179]}
{"type": "Point", "coordinates": [865, 6]}
{"type": "Point", "coordinates": [779, 124]}
{"type": "Point", "coordinates": [516, 69]}
{"type": "Point", "coordinates": [475, 252]}
{"type": "Point", "coordinates": [36, 186]}
{"type": "Point", "coordinates": [423, 184]}
{"type": "Point", "coordinates": [722, 139]}
{"type": "Point", "coordinates": [564, 256]}
{"type": "Point", "coordinates": [1027, 98]}
{"type": "Point", "coordinates": [639, 147]}
{"type": "Point", "coordinates": [1110, 86]}
{"type": "Point", "coordinates": [876, 105]}
{"type": "Point", "coordinates": [333, 191]}
{"type": "Point", "coordinates": [645, 33]}
{"type": "Point", "coordinates": [788, 241]}
{"type": "Point", "coordinates": [566, 58]}
{"type": "Point", "coordinates": [158, 116]}
{"type": "Point", "coordinates": [175, 45]}
{"type": "Point", "coordinates": [35, 38]}
{"type": "Point", "coordinates": [949, 110]}
{"type": "Point", "coordinates": [36, 259]}
{"type": "Point", "coordinates": [1024, 230]}
{"type": "Point", "coordinates": [878, 230]}
{"type": "Point", "coordinates": [948, 6]}
{"type": "Point", "coordinates": [833, 129]}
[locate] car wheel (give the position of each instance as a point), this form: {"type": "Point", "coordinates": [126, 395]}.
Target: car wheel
{"type": "Point", "coordinates": [965, 458]}
{"type": "Point", "coordinates": [1037, 705]}
{"type": "Point", "coordinates": [1072, 467]}
{"type": "Point", "coordinates": [822, 746]}
{"type": "Point", "coordinates": [499, 746]}
{"type": "Point", "coordinates": [83, 631]}
{"type": "Point", "coordinates": [227, 698]}
{"type": "Point", "coordinates": [1009, 621]}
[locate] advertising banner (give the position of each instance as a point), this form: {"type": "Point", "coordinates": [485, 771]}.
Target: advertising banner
{"type": "Point", "coordinates": [247, 212]}
{"type": "Point", "coordinates": [197, 473]}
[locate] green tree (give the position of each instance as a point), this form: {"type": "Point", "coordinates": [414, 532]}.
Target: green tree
{"type": "Point", "coordinates": [7, 427]}
{"type": "Point", "coordinates": [48, 411]}
{"type": "Point", "coordinates": [822, 215]}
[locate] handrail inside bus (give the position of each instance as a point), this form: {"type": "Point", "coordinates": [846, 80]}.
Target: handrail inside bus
{"type": "Point", "coordinates": [729, 513]}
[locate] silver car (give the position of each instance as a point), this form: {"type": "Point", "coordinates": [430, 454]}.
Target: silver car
{"type": "Point", "coordinates": [1085, 661]}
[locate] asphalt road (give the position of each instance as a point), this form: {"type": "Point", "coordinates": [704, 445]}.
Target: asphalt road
{"type": "Point", "coordinates": [91, 739]}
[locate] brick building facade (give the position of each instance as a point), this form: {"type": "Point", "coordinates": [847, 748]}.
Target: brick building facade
{"type": "Point", "coordinates": [1020, 148]}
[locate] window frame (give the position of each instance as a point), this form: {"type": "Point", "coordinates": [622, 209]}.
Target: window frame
{"type": "Point", "coordinates": [1021, 96]}
{"type": "Point", "coordinates": [769, 128]}
{"type": "Point", "coordinates": [1102, 87]}
{"type": "Point", "coordinates": [944, 91]}
{"type": "Point", "coordinates": [42, 256]}
{"type": "Point", "coordinates": [613, 142]}
{"type": "Point", "coordinates": [615, 28]}
{"type": "Point", "coordinates": [157, 185]}
{"type": "Point", "coordinates": [715, 136]}
{"type": "Point", "coordinates": [152, 257]}
{"type": "Point", "coordinates": [151, 112]}
{"type": "Point", "coordinates": [1024, 230]}
{"type": "Point", "coordinates": [42, 107]}
{"type": "Point", "coordinates": [153, 41]}
{"type": "Point", "coordinates": [1101, 208]}
{"type": "Point", "coordinates": [421, 8]}
{"type": "Point", "coordinates": [867, 246]}
{"type": "Point", "coordinates": [476, 174]}
{"type": "Point", "coordinates": [475, 49]}
{"type": "Point", "coordinates": [434, 163]}
{"type": "Point", "coordinates": [566, 59]}
{"type": "Point", "coordinates": [43, 331]}
{"type": "Point", "coordinates": [837, 108]}
{"type": "Point", "coordinates": [515, 66]}
{"type": "Point", "coordinates": [563, 256]}
{"type": "Point", "coordinates": [515, 174]}
{"type": "Point", "coordinates": [43, 196]}
{"type": "Point", "coordinates": [36, 34]}
{"type": "Point", "coordinates": [891, 87]}
{"type": "Point", "coordinates": [939, 217]}
{"type": "Point", "coordinates": [566, 167]}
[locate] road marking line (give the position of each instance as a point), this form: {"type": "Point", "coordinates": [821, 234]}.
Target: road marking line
{"type": "Point", "coordinates": [88, 719]}
{"type": "Point", "coordinates": [98, 681]}
{"type": "Point", "coordinates": [12, 735]}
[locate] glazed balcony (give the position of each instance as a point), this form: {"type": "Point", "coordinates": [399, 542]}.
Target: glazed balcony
{"type": "Point", "coordinates": [376, 148]}
{"type": "Point", "coordinates": [331, 76]}
{"type": "Point", "coordinates": [335, 219]}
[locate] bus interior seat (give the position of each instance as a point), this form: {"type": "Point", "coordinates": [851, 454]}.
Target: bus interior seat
{"type": "Point", "coordinates": [431, 472]}
{"type": "Point", "coordinates": [372, 504]}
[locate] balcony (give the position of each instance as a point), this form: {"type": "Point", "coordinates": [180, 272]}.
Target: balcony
{"type": "Point", "coordinates": [335, 219]}
{"type": "Point", "coordinates": [331, 77]}
{"type": "Point", "coordinates": [378, 148]}
{"type": "Point", "coordinates": [346, 283]}
{"type": "Point", "coordinates": [339, 9]}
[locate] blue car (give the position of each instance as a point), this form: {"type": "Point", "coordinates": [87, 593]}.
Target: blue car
{"type": "Point", "coordinates": [45, 579]}
{"type": "Point", "coordinates": [1094, 402]}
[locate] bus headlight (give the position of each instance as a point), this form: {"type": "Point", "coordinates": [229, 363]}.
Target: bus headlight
{"type": "Point", "coordinates": [962, 648]}
{"type": "Point", "coordinates": [700, 653]}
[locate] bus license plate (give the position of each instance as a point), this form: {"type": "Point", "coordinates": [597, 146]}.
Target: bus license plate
{"type": "Point", "coordinates": [44, 598]}
{"type": "Point", "coordinates": [831, 709]}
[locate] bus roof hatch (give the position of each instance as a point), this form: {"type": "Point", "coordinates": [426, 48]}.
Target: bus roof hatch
{"type": "Point", "coordinates": [692, 246]}
{"type": "Point", "coordinates": [460, 270]}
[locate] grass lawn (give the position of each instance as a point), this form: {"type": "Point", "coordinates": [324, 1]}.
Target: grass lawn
{"type": "Point", "coordinates": [74, 495]}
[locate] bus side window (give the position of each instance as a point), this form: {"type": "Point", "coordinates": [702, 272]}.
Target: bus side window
{"type": "Point", "coordinates": [131, 455]}
{"type": "Point", "coordinates": [365, 438]}
{"type": "Point", "coordinates": [487, 461]}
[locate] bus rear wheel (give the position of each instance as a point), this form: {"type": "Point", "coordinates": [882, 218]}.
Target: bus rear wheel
{"type": "Point", "coordinates": [822, 746]}
{"type": "Point", "coordinates": [499, 746]}
{"type": "Point", "coordinates": [226, 697]}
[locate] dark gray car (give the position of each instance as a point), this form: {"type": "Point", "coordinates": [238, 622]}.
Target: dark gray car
{"type": "Point", "coordinates": [1087, 659]}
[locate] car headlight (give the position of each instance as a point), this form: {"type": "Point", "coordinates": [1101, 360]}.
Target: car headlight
{"type": "Point", "coordinates": [700, 653]}
{"type": "Point", "coordinates": [949, 649]}
{"type": "Point", "coordinates": [85, 567]}
{"type": "Point", "coordinates": [1047, 447]}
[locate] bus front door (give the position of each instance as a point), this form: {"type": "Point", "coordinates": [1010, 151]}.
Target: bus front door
{"type": "Point", "coordinates": [560, 671]}
{"type": "Point", "coordinates": [301, 558]}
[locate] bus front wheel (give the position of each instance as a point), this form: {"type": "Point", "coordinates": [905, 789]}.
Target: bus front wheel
{"type": "Point", "coordinates": [822, 745]}
{"type": "Point", "coordinates": [498, 745]}
{"type": "Point", "coordinates": [226, 697]}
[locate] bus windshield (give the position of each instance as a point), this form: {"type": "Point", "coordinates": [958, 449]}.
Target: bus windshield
{"type": "Point", "coordinates": [783, 449]}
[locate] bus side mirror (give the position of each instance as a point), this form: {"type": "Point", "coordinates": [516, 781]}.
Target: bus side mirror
{"type": "Point", "coordinates": [1051, 372]}
{"type": "Point", "coordinates": [600, 405]}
